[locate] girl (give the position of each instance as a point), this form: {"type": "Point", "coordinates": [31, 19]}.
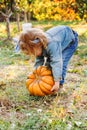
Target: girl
{"type": "Point", "coordinates": [56, 44]}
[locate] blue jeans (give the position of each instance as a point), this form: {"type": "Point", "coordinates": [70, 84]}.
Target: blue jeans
{"type": "Point", "coordinates": [66, 56]}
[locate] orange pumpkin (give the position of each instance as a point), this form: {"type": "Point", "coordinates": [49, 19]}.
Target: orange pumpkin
{"type": "Point", "coordinates": [40, 82]}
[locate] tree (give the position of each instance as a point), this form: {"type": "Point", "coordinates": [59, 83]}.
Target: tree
{"type": "Point", "coordinates": [25, 6]}
{"type": "Point", "coordinates": [6, 8]}
{"type": "Point", "coordinates": [82, 8]}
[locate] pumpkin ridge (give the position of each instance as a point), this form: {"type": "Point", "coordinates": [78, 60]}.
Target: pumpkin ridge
{"type": "Point", "coordinates": [44, 68]}
{"type": "Point", "coordinates": [31, 76]}
{"type": "Point", "coordinates": [37, 91]}
{"type": "Point", "coordinates": [30, 88]}
{"type": "Point", "coordinates": [38, 70]}
{"type": "Point", "coordinates": [46, 72]}
{"type": "Point", "coordinates": [47, 86]}
{"type": "Point", "coordinates": [48, 80]}
{"type": "Point", "coordinates": [28, 82]}
{"type": "Point", "coordinates": [44, 89]}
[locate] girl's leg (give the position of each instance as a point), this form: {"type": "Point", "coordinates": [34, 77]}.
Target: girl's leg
{"type": "Point", "coordinates": [66, 55]}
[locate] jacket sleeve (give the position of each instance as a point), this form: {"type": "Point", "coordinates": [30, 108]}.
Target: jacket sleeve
{"type": "Point", "coordinates": [39, 61]}
{"type": "Point", "coordinates": [55, 53]}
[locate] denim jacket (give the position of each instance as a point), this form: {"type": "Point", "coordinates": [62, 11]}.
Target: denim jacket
{"type": "Point", "coordinates": [59, 38]}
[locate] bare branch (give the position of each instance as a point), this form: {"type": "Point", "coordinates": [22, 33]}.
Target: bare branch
{"type": "Point", "coordinates": [10, 14]}
{"type": "Point", "coordinates": [3, 14]}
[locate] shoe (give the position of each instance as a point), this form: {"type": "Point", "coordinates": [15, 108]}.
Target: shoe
{"type": "Point", "coordinates": [61, 89]}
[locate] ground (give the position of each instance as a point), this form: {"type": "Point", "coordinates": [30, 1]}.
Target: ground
{"type": "Point", "coordinates": [65, 111]}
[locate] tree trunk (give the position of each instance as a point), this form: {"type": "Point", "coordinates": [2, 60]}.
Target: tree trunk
{"type": "Point", "coordinates": [29, 16]}
{"type": "Point", "coordinates": [25, 17]}
{"type": "Point", "coordinates": [18, 21]}
{"type": "Point", "coordinates": [86, 13]}
{"type": "Point", "coordinates": [8, 28]}
{"type": "Point", "coordinates": [86, 19]}
{"type": "Point", "coordinates": [7, 17]}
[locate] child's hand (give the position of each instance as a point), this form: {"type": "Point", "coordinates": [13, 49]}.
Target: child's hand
{"type": "Point", "coordinates": [55, 87]}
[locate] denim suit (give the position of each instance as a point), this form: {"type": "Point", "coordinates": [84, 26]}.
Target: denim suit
{"type": "Point", "coordinates": [62, 43]}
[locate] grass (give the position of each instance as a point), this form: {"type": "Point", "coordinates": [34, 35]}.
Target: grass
{"type": "Point", "coordinates": [20, 111]}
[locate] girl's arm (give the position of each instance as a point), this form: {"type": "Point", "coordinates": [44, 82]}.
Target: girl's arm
{"type": "Point", "coordinates": [55, 52]}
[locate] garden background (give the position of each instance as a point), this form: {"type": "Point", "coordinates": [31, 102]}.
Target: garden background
{"type": "Point", "coordinates": [19, 110]}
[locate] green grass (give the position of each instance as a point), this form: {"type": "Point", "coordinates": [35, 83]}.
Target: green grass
{"type": "Point", "coordinates": [20, 111]}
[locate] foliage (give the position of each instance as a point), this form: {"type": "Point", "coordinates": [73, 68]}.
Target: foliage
{"type": "Point", "coordinates": [82, 8]}
{"type": "Point", "coordinates": [48, 9]}
{"type": "Point", "coordinates": [55, 10]}
{"type": "Point", "coordinates": [22, 5]}
{"type": "Point", "coordinates": [7, 4]}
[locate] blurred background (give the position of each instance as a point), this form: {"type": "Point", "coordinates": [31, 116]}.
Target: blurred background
{"type": "Point", "coordinates": [41, 10]}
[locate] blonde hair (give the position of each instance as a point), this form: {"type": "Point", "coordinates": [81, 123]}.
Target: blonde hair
{"type": "Point", "coordinates": [26, 40]}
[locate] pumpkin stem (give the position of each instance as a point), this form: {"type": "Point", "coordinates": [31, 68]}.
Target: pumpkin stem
{"type": "Point", "coordinates": [45, 60]}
